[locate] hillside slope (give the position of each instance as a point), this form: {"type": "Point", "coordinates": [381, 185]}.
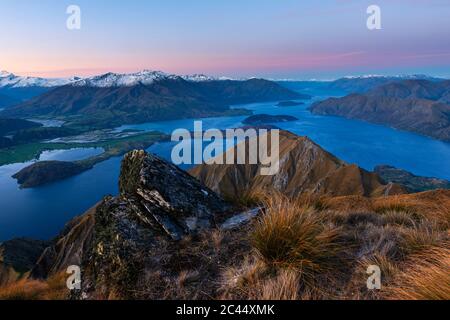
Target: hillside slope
{"type": "Point", "coordinates": [161, 99]}
{"type": "Point", "coordinates": [304, 167]}
{"type": "Point", "coordinates": [414, 105]}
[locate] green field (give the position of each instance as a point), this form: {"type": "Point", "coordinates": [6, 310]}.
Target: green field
{"type": "Point", "coordinates": [113, 147]}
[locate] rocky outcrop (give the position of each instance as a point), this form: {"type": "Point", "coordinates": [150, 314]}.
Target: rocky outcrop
{"type": "Point", "coordinates": [17, 257]}
{"type": "Point", "coordinates": [304, 167]}
{"type": "Point", "coordinates": [158, 206]}
{"type": "Point", "coordinates": [410, 181]}
{"type": "Point", "coordinates": [168, 195]}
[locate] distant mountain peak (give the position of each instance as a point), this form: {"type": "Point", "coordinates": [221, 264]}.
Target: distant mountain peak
{"type": "Point", "coordinates": [199, 77]}
{"type": "Point", "coordinates": [145, 77]}
{"type": "Point", "coordinates": [112, 79]}
{"type": "Point", "coordinates": [10, 80]}
{"type": "Point", "coordinates": [5, 73]}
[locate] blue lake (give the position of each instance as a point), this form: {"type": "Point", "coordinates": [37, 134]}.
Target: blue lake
{"type": "Point", "coordinates": [43, 211]}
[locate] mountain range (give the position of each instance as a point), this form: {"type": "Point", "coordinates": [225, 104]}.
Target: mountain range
{"type": "Point", "coordinates": [420, 106]}
{"type": "Point", "coordinates": [114, 99]}
{"type": "Point", "coordinates": [362, 84]}
{"type": "Point", "coordinates": [15, 89]}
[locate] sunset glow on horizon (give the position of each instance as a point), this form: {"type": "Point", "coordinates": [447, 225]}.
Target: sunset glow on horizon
{"type": "Point", "coordinates": [264, 38]}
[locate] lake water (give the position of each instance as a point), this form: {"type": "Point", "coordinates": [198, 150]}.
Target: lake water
{"type": "Point", "coordinates": [43, 211]}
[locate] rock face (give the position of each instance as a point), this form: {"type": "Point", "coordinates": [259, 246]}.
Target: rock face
{"type": "Point", "coordinates": [158, 205]}
{"type": "Point", "coordinates": [180, 204]}
{"type": "Point", "coordinates": [304, 167]}
{"type": "Point", "coordinates": [415, 105]}
{"type": "Point", "coordinates": [412, 182]}
{"type": "Point", "coordinates": [260, 119]}
{"type": "Point", "coordinates": [17, 257]}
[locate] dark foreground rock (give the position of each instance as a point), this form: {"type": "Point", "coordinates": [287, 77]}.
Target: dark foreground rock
{"type": "Point", "coordinates": [123, 239]}
{"type": "Point", "coordinates": [412, 182]}
{"type": "Point", "coordinates": [169, 195]}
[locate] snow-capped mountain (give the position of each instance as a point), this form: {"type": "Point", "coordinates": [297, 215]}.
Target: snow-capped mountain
{"type": "Point", "coordinates": [110, 79]}
{"type": "Point", "coordinates": [114, 99]}
{"type": "Point", "coordinates": [199, 78]}
{"type": "Point", "coordinates": [10, 80]}
{"type": "Point", "coordinates": [145, 77]}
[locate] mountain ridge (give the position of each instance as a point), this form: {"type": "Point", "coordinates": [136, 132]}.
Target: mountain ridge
{"type": "Point", "coordinates": [420, 106]}
{"type": "Point", "coordinates": [161, 99]}
{"type": "Point", "coordinates": [304, 167]}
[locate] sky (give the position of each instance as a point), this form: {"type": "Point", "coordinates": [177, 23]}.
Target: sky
{"type": "Point", "coordinates": [279, 39]}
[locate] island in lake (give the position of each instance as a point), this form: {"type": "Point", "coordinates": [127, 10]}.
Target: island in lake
{"type": "Point", "coordinates": [289, 103]}
{"type": "Point", "coordinates": [259, 119]}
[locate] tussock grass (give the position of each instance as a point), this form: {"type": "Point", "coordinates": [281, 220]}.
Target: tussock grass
{"type": "Point", "coordinates": [387, 266]}
{"type": "Point", "coordinates": [292, 236]}
{"type": "Point", "coordinates": [308, 199]}
{"type": "Point", "coordinates": [426, 277]}
{"type": "Point", "coordinates": [420, 238]}
{"type": "Point", "coordinates": [393, 203]}
{"type": "Point", "coordinates": [308, 247]}
{"type": "Point", "coordinates": [399, 218]}
{"type": "Point", "coordinates": [241, 281]}
{"type": "Point", "coordinates": [254, 280]}
{"type": "Point", "coordinates": [284, 286]}
{"type": "Point", "coordinates": [27, 289]}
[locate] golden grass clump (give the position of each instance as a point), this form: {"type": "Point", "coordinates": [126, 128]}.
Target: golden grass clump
{"type": "Point", "coordinates": [53, 288]}
{"type": "Point", "coordinates": [420, 238]}
{"type": "Point", "coordinates": [426, 277]}
{"type": "Point", "coordinates": [399, 218]}
{"type": "Point", "coordinates": [254, 280]}
{"type": "Point", "coordinates": [284, 286]}
{"type": "Point", "coordinates": [289, 235]}
{"type": "Point", "coordinates": [393, 203]}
